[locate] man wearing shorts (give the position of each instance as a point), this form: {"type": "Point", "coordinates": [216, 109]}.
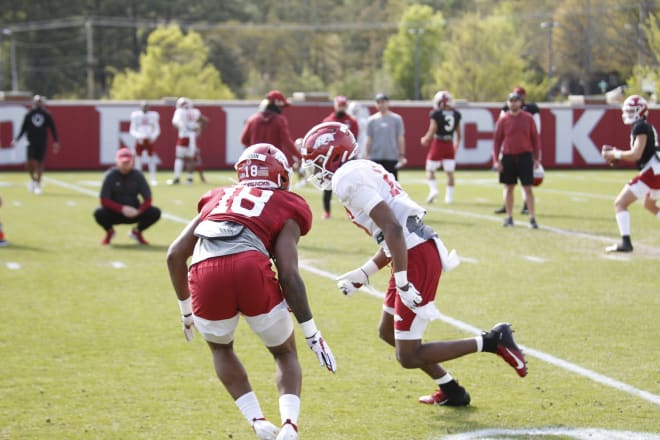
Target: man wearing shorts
{"type": "Point", "coordinates": [644, 151]}
{"type": "Point", "coordinates": [517, 139]}
{"type": "Point", "coordinates": [376, 203]}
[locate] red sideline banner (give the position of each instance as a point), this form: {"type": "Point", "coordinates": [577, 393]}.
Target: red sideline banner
{"type": "Point", "coordinates": [91, 131]}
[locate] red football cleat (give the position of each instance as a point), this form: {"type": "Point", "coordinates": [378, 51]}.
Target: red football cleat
{"type": "Point", "coordinates": [109, 234]}
{"type": "Point", "coordinates": [507, 348]}
{"type": "Point", "coordinates": [136, 235]}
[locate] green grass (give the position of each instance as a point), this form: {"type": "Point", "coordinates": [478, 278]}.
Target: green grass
{"type": "Point", "coordinates": [91, 351]}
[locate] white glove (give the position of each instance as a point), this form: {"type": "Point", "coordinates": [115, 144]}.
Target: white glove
{"type": "Point", "coordinates": [351, 281]}
{"type": "Point", "coordinates": [188, 325]}
{"type": "Point", "coordinates": [322, 351]}
{"type": "Point", "coordinates": [410, 297]}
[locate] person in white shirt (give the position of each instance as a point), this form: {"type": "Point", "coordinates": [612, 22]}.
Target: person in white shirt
{"type": "Point", "coordinates": [145, 128]}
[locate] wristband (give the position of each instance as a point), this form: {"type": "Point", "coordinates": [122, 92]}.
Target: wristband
{"type": "Point", "coordinates": [309, 328]}
{"type": "Point", "coordinates": [401, 278]}
{"type": "Point", "coordinates": [617, 154]}
{"type": "Point", "coordinates": [186, 306]}
{"type": "Point", "coordinates": [369, 268]}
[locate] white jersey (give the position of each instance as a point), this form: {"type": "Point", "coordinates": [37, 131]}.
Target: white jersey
{"type": "Point", "coordinates": [187, 121]}
{"type": "Point", "coordinates": [362, 184]}
{"type": "Point", "coordinates": [145, 125]}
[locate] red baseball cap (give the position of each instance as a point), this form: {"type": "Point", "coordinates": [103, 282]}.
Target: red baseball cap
{"type": "Point", "coordinates": [124, 154]}
{"type": "Point", "coordinates": [341, 100]}
{"type": "Point", "coordinates": [520, 91]}
{"type": "Point", "coordinates": [276, 95]}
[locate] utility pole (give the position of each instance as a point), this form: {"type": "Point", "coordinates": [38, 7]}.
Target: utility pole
{"type": "Point", "coordinates": [90, 58]}
{"type": "Point", "coordinates": [549, 25]}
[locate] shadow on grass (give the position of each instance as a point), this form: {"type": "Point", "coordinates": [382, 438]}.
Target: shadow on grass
{"type": "Point", "coordinates": [141, 248]}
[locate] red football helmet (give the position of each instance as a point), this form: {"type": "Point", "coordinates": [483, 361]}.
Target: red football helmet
{"type": "Point", "coordinates": [442, 99]}
{"type": "Point", "coordinates": [539, 174]}
{"type": "Point", "coordinates": [633, 109]}
{"type": "Point", "coordinates": [264, 166]}
{"type": "Point", "coordinates": [324, 149]}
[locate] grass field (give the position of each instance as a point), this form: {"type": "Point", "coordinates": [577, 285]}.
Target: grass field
{"type": "Point", "coordinates": [91, 347]}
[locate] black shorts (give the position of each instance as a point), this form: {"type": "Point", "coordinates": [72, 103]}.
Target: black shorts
{"type": "Point", "coordinates": [36, 152]}
{"type": "Point", "coordinates": [517, 166]}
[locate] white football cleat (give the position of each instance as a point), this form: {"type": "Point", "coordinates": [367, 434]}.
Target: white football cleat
{"type": "Point", "coordinates": [431, 197]}
{"type": "Point", "coordinates": [289, 431]}
{"type": "Point", "coordinates": [265, 430]}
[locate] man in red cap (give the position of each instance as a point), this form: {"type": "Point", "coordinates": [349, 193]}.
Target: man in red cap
{"type": "Point", "coordinates": [270, 126]}
{"type": "Point", "coordinates": [339, 114]}
{"type": "Point", "coordinates": [120, 204]}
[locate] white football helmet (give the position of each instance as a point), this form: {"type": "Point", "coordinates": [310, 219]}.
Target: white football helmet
{"type": "Point", "coordinates": [539, 174]}
{"type": "Point", "coordinates": [633, 109]}
{"type": "Point", "coordinates": [183, 102]}
{"type": "Point", "coordinates": [442, 99]}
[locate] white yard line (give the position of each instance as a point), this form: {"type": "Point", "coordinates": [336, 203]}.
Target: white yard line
{"type": "Point", "coordinates": [545, 357]}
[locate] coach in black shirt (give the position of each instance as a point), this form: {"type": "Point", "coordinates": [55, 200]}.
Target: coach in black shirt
{"type": "Point", "coordinates": [120, 203]}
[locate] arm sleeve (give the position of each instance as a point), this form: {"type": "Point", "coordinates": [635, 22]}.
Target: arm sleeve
{"type": "Point", "coordinates": [111, 205]}
{"type": "Point", "coordinates": [106, 194]}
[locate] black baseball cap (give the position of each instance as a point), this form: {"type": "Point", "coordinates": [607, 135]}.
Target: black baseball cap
{"type": "Point", "coordinates": [382, 97]}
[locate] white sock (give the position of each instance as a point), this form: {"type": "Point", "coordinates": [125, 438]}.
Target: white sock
{"type": "Point", "coordinates": [524, 194]}
{"type": "Point", "coordinates": [623, 221]}
{"type": "Point", "coordinates": [480, 343]}
{"type": "Point", "coordinates": [248, 404]}
{"type": "Point", "coordinates": [178, 167]}
{"type": "Point", "coordinates": [444, 379]}
{"type": "Point", "coordinates": [289, 408]}
{"type": "Point", "coordinates": [152, 167]}
{"type": "Point", "coordinates": [449, 193]}
{"type": "Point", "coordinates": [433, 185]}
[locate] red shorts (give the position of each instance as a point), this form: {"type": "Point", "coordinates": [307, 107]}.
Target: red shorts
{"type": "Point", "coordinates": [182, 142]}
{"type": "Point", "coordinates": [648, 178]}
{"type": "Point", "coordinates": [441, 150]}
{"type": "Point", "coordinates": [221, 287]}
{"type": "Point", "coordinates": [144, 145]}
{"type": "Point", "coordinates": [424, 270]}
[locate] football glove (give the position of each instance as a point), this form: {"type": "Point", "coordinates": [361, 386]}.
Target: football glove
{"type": "Point", "coordinates": [353, 280]}
{"type": "Point", "coordinates": [188, 325]}
{"type": "Point", "coordinates": [410, 297]}
{"type": "Point", "coordinates": [322, 351]}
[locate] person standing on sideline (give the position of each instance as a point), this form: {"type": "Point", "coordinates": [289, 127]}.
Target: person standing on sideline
{"type": "Point", "coordinates": [645, 152]}
{"type": "Point", "coordinates": [239, 231]}
{"type": "Point", "coordinates": [121, 190]}
{"type": "Point", "coordinates": [385, 137]}
{"type": "Point", "coordinates": [145, 128]}
{"type": "Point", "coordinates": [518, 142]}
{"type": "Point", "coordinates": [36, 124]}
{"type": "Point", "coordinates": [376, 202]}
{"type": "Point", "coordinates": [271, 126]}
{"type": "Point", "coordinates": [189, 121]}
{"type": "Point", "coordinates": [445, 132]}
{"type": "Point", "coordinates": [339, 114]}
{"type": "Point", "coordinates": [532, 109]}
{"type": "Point", "coordinates": [3, 242]}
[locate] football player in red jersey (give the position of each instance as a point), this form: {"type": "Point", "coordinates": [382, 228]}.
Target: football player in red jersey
{"type": "Point", "coordinates": [377, 203]}
{"type": "Point", "coordinates": [445, 131]}
{"type": "Point", "coordinates": [339, 114]}
{"type": "Point", "coordinates": [239, 231]}
{"type": "Point", "coordinates": [644, 151]}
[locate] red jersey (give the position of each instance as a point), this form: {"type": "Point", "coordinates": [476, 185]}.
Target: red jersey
{"type": "Point", "coordinates": [516, 134]}
{"type": "Point", "coordinates": [270, 127]}
{"type": "Point", "coordinates": [347, 120]}
{"type": "Point", "coordinates": [262, 211]}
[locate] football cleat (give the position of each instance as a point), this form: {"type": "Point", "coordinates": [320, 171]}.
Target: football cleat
{"type": "Point", "coordinates": [533, 224]}
{"type": "Point", "coordinates": [175, 181]}
{"type": "Point", "coordinates": [508, 222]}
{"type": "Point", "coordinates": [289, 431]}
{"type": "Point", "coordinates": [431, 197]}
{"type": "Point", "coordinates": [507, 348]}
{"type": "Point", "coordinates": [326, 215]}
{"type": "Point", "coordinates": [620, 247]}
{"type": "Point", "coordinates": [109, 234]}
{"type": "Point", "coordinates": [264, 429]}
{"type": "Point", "coordinates": [461, 398]}
{"type": "Point", "coordinates": [524, 209]}
{"type": "Point", "coordinates": [136, 235]}
{"type": "Point", "coordinates": [4, 243]}
{"type": "Point", "coordinates": [501, 210]}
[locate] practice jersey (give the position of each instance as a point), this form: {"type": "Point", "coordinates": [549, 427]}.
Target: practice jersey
{"type": "Point", "coordinates": [145, 125]}
{"type": "Point", "coordinates": [447, 121]}
{"type": "Point", "coordinates": [263, 211]}
{"type": "Point", "coordinates": [187, 121]}
{"type": "Point", "coordinates": [362, 184]}
{"type": "Point", "coordinates": [651, 148]}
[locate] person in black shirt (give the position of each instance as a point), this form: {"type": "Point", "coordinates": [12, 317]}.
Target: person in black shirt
{"type": "Point", "coordinates": [36, 124]}
{"type": "Point", "coordinates": [645, 152]}
{"type": "Point", "coordinates": [120, 204]}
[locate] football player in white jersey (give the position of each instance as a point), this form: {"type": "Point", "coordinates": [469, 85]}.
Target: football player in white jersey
{"type": "Point", "coordinates": [145, 128]}
{"type": "Point", "coordinates": [377, 203]}
{"type": "Point", "coordinates": [189, 121]}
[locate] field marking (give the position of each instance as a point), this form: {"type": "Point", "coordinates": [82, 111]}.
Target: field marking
{"type": "Point", "coordinates": [11, 265]}
{"type": "Point", "coordinates": [534, 259]}
{"type": "Point", "coordinates": [573, 433]}
{"type": "Point", "coordinates": [592, 375]}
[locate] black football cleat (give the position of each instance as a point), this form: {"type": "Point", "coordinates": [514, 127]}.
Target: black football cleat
{"type": "Point", "coordinates": [506, 347]}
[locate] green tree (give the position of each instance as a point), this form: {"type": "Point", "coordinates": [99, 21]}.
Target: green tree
{"type": "Point", "coordinates": [174, 64]}
{"type": "Point", "coordinates": [482, 60]}
{"type": "Point", "coordinates": [645, 78]}
{"type": "Point", "coordinates": [413, 49]}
